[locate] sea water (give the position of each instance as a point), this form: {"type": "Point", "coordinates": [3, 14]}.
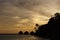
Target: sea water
{"type": "Point", "coordinates": [20, 37]}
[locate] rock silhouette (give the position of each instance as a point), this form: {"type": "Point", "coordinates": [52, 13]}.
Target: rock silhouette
{"type": "Point", "coordinates": [26, 33]}
{"type": "Point", "coordinates": [20, 32]}
{"type": "Point", "coordinates": [51, 29]}
{"type": "Point", "coordinates": [32, 33]}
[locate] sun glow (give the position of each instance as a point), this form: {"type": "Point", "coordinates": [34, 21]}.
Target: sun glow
{"type": "Point", "coordinates": [40, 19]}
{"type": "Point", "coordinates": [16, 17]}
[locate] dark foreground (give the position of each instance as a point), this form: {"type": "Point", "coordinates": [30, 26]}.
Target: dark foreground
{"type": "Point", "coordinates": [20, 37]}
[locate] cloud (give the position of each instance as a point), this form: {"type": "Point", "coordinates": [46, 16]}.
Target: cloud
{"type": "Point", "coordinates": [20, 14]}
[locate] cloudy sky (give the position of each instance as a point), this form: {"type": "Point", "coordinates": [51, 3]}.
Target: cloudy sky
{"type": "Point", "coordinates": [16, 15]}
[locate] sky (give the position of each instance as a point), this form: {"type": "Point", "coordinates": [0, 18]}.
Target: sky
{"type": "Point", "coordinates": [22, 15]}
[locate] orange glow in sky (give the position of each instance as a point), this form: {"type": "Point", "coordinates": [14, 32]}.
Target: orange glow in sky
{"type": "Point", "coordinates": [17, 15]}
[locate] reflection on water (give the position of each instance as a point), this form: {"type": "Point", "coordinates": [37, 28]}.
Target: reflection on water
{"type": "Point", "coordinates": [20, 37]}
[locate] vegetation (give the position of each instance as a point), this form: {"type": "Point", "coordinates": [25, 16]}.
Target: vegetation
{"type": "Point", "coordinates": [51, 29]}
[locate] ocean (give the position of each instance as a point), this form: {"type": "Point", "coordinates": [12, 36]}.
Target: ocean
{"type": "Point", "coordinates": [20, 37]}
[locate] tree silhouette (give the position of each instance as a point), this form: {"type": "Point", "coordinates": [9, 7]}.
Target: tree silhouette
{"type": "Point", "coordinates": [26, 33]}
{"type": "Point", "coordinates": [20, 32]}
{"type": "Point", "coordinates": [32, 33]}
{"type": "Point", "coordinates": [42, 31]}
{"type": "Point", "coordinates": [51, 29]}
{"type": "Point", "coordinates": [37, 25]}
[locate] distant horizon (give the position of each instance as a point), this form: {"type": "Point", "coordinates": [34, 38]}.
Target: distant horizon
{"type": "Point", "coordinates": [22, 15]}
